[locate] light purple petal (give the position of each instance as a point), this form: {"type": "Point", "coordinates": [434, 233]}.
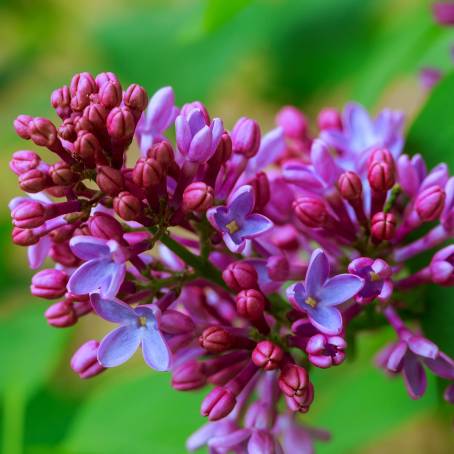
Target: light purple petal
{"type": "Point", "coordinates": [183, 134]}
{"type": "Point", "coordinates": [339, 289]}
{"type": "Point", "coordinates": [201, 436]}
{"type": "Point", "coordinates": [118, 346]}
{"type": "Point", "coordinates": [217, 129]}
{"type": "Point", "coordinates": [226, 442]}
{"type": "Point", "coordinates": [89, 247]}
{"type": "Point", "coordinates": [196, 121]}
{"type": "Point", "coordinates": [115, 273]}
{"type": "Point", "coordinates": [155, 350]}
{"type": "Point", "coordinates": [200, 148]}
{"type": "Point", "coordinates": [241, 202]}
{"type": "Point", "coordinates": [112, 310]}
{"type": "Point", "coordinates": [38, 252]}
{"type": "Point", "coordinates": [262, 442]}
{"type": "Point", "coordinates": [254, 225]}
{"type": "Point", "coordinates": [232, 245]}
{"type": "Point", "coordinates": [423, 347]}
{"type": "Point", "coordinates": [323, 162]}
{"type": "Point", "coordinates": [89, 277]}
{"type": "Point", "coordinates": [442, 366]}
{"type": "Point", "coordinates": [317, 272]}
{"type": "Point", "coordinates": [414, 376]}
{"type": "Point", "coordinates": [159, 110]}
{"type": "Point", "coordinates": [303, 176]}
{"type": "Point", "coordinates": [449, 394]}
{"type": "Point", "coordinates": [271, 148]}
{"type": "Point", "coordinates": [395, 358]}
{"type": "Point", "coordinates": [357, 120]}
{"type": "Point", "coordinates": [327, 319]}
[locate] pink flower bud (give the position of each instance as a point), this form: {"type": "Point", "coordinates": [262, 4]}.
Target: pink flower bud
{"type": "Point", "coordinates": [240, 276]}
{"type": "Point", "coordinates": [301, 403]}
{"type": "Point", "coordinates": [147, 172]}
{"type": "Point", "coordinates": [83, 124]}
{"type": "Point", "coordinates": [102, 225]}
{"type": "Point", "coordinates": [311, 211]}
{"type": "Point", "coordinates": [188, 107]}
{"type": "Point", "coordinates": [105, 77]}
{"type": "Point", "coordinates": [34, 181]}
{"type": "Point", "coordinates": [292, 121]}
{"type": "Point", "coordinates": [120, 123]}
{"type": "Point", "coordinates": [61, 100]}
{"type": "Point", "coordinates": [293, 380]}
{"type": "Point", "coordinates": [326, 351]}
{"type": "Point", "coordinates": [110, 95]}
{"type": "Point", "coordinates": [86, 147]}
{"type": "Point", "coordinates": [329, 118]}
{"type": "Point", "coordinates": [62, 253]}
{"type": "Point", "coordinates": [381, 176]}
{"type": "Point", "coordinates": [430, 202]}
{"type": "Point", "coordinates": [198, 197]}
{"type": "Point", "coordinates": [96, 114]}
{"type": "Point", "coordinates": [127, 206]}
{"type": "Point", "coordinates": [442, 266]}
{"type": "Point", "coordinates": [85, 361]}
{"type": "Point", "coordinates": [136, 98]}
{"type": "Point", "coordinates": [23, 161]}
{"type": "Point", "coordinates": [62, 174]}
{"type": "Point", "coordinates": [175, 322]}
{"type": "Point", "coordinates": [29, 214]}
{"type": "Point", "coordinates": [63, 233]}
{"type": "Point", "coordinates": [350, 186]}
{"type": "Point", "coordinates": [383, 226]}
{"type": "Point", "coordinates": [21, 125]}
{"type": "Point", "coordinates": [162, 152]}
{"type": "Point", "coordinates": [215, 339]}
{"type": "Point", "coordinates": [49, 284]}
{"type": "Point", "coordinates": [246, 137]}
{"type": "Point", "coordinates": [81, 87]}
{"type": "Point", "coordinates": [67, 130]}
{"type": "Point", "coordinates": [188, 376]}
{"type": "Point", "coordinates": [250, 304]}
{"type": "Point", "coordinates": [109, 180]}
{"type": "Point", "coordinates": [286, 237]}
{"type": "Point", "coordinates": [261, 186]}
{"type": "Point", "coordinates": [267, 355]}
{"type": "Point", "coordinates": [24, 237]}
{"type": "Point", "coordinates": [381, 155]}
{"type": "Point", "coordinates": [61, 315]}
{"type": "Point", "coordinates": [42, 132]}
{"type": "Point", "coordinates": [218, 404]}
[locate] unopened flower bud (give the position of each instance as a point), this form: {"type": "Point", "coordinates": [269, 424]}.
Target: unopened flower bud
{"type": "Point", "coordinates": [250, 304]}
{"type": "Point", "coordinates": [223, 151]}
{"type": "Point", "coordinates": [218, 404]}
{"type": "Point", "coordinates": [240, 276]}
{"type": "Point", "coordinates": [21, 125]}
{"type": "Point", "coordinates": [83, 124]}
{"type": "Point", "coordinates": [102, 225]}
{"type": "Point", "coordinates": [42, 132]}
{"type": "Point", "coordinates": [188, 376]}
{"type": "Point", "coordinates": [127, 206]}
{"type": "Point", "coordinates": [96, 114]}
{"type": "Point", "coordinates": [147, 172]}
{"type": "Point", "coordinates": [34, 181]}
{"type": "Point", "coordinates": [62, 174]}
{"type": "Point", "coordinates": [215, 339]}
{"type": "Point", "coordinates": [175, 322]}
{"type": "Point", "coordinates": [29, 214]}
{"type": "Point", "coordinates": [81, 87]}
{"type": "Point", "coordinates": [61, 315]}
{"type": "Point", "coordinates": [105, 77]}
{"type": "Point", "coordinates": [63, 233]}
{"type": "Point", "coordinates": [136, 98]}
{"type": "Point", "coordinates": [329, 118]}
{"type": "Point", "coordinates": [23, 161]}
{"type": "Point", "coordinates": [442, 266]}
{"type": "Point", "coordinates": [430, 202]}
{"type": "Point", "coordinates": [188, 107]}
{"type": "Point", "coordinates": [293, 380]}
{"type": "Point", "coordinates": [198, 197]}
{"type": "Point", "coordinates": [261, 186]}
{"type": "Point", "coordinates": [267, 355]}
{"type": "Point", "coordinates": [109, 180]}
{"type": "Point", "coordinates": [292, 121]}
{"type": "Point", "coordinates": [277, 267]}
{"type": "Point", "coordinates": [325, 351]}
{"type": "Point", "coordinates": [381, 155]}
{"type": "Point", "coordinates": [303, 402]}
{"type": "Point", "coordinates": [162, 152]}
{"type": "Point", "coordinates": [383, 226]}
{"type": "Point", "coordinates": [67, 130]}
{"type": "Point", "coordinates": [62, 253]}
{"type": "Point", "coordinates": [86, 147]}
{"type": "Point", "coordinates": [311, 211]}
{"type": "Point", "coordinates": [120, 123]}
{"type": "Point", "coordinates": [286, 237]}
{"type": "Point", "coordinates": [381, 176]}
{"type": "Point", "coordinates": [49, 284]}
{"type": "Point", "coordinates": [110, 95]}
{"type": "Point", "coordinates": [85, 360]}
{"type": "Point", "coordinates": [350, 186]}
{"type": "Point", "coordinates": [61, 100]}
{"type": "Point", "coordinates": [24, 237]}
{"type": "Point", "coordinates": [246, 137]}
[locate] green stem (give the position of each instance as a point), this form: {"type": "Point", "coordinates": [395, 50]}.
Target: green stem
{"type": "Point", "coordinates": [13, 420]}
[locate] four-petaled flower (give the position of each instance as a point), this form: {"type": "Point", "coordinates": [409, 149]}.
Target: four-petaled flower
{"type": "Point", "coordinates": [138, 326]}
{"type": "Point", "coordinates": [319, 294]}
{"type": "Point", "coordinates": [236, 221]}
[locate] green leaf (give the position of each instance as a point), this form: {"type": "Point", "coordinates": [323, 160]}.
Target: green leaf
{"type": "Point", "coordinates": [140, 415]}
{"type": "Point", "coordinates": [219, 12]}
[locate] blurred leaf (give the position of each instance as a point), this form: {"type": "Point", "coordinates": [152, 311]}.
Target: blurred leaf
{"type": "Point", "coordinates": [218, 12]}
{"type": "Point", "coordinates": [141, 415]}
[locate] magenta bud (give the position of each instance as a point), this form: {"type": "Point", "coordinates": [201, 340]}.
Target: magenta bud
{"type": "Point", "coordinates": [277, 267]}
{"type": "Point", "coordinates": [86, 147]}
{"type": "Point", "coordinates": [246, 137]}
{"type": "Point", "coordinates": [381, 176]}
{"type": "Point", "coordinates": [147, 172]}
{"type": "Point", "coordinates": [67, 130]}
{"type": "Point", "coordinates": [127, 206]}
{"type": "Point", "coordinates": [83, 124]}
{"type": "Point", "coordinates": [81, 87]}
{"type": "Point", "coordinates": [325, 351]}
{"type": "Point", "coordinates": [311, 211]}
{"type": "Point", "coordinates": [63, 233]}
{"type": "Point", "coordinates": [218, 404]}
{"type": "Point", "coordinates": [23, 161]}
{"type": "Point", "coordinates": [301, 403]}
{"type": "Point", "coordinates": [61, 100]}
{"type": "Point", "coordinates": [329, 118]}
{"type": "Point", "coordinates": [162, 152]}
{"type": "Point", "coordinates": [286, 237]}
{"type": "Point", "coordinates": [381, 155]}
{"type": "Point", "coordinates": [96, 114]}
{"type": "Point", "coordinates": [240, 276]}
{"type": "Point", "coordinates": [136, 98]}
{"type": "Point", "coordinates": [109, 180]}
{"type": "Point", "coordinates": [120, 123]}
{"type": "Point", "coordinates": [430, 202]}
{"type": "Point", "coordinates": [34, 181]}
{"type": "Point", "coordinates": [24, 237]}
{"type": "Point", "coordinates": [267, 355]}
{"type": "Point", "coordinates": [198, 197]}
{"type": "Point", "coordinates": [261, 186]}
{"type": "Point", "coordinates": [61, 315]}
{"type": "Point", "coordinates": [215, 339]}
{"type": "Point", "coordinates": [188, 376]}
{"type": "Point", "coordinates": [250, 304]}
{"type": "Point", "coordinates": [105, 77]}
{"type": "Point", "coordinates": [42, 132]}
{"type": "Point", "coordinates": [29, 214]}
{"type": "Point", "coordinates": [350, 186]}
{"type": "Point", "coordinates": [110, 95]}
{"type": "Point", "coordinates": [62, 174]}
{"type": "Point", "coordinates": [104, 226]}
{"type": "Point", "coordinates": [49, 284]}
{"type": "Point", "coordinates": [293, 122]}
{"type": "Point", "coordinates": [442, 266]}
{"type": "Point", "coordinates": [293, 380]}
{"type": "Point", "coordinates": [62, 253]}
{"type": "Point", "coordinates": [21, 125]}
{"type": "Point", "coordinates": [175, 322]}
{"type": "Point", "coordinates": [223, 151]}
{"type": "Point", "coordinates": [383, 226]}
{"type": "Point", "coordinates": [85, 360]}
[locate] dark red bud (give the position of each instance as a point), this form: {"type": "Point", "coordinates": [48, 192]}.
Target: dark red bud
{"type": "Point", "coordinates": [61, 253]}
{"type": "Point", "coordinates": [240, 276]}
{"type": "Point", "coordinates": [49, 284]}
{"type": "Point", "coordinates": [121, 123]}
{"type": "Point", "coordinates": [62, 174]}
{"type": "Point", "coordinates": [381, 176]}
{"type": "Point", "coordinates": [163, 152]}
{"type": "Point", "coordinates": [430, 203]}
{"type": "Point", "coordinates": [96, 114]}
{"type": "Point", "coordinates": [42, 132]}
{"type": "Point", "coordinates": [105, 77]}
{"type": "Point", "coordinates": [87, 147]}
{"type": "Point", "coordinates": [85, 360]}
{"type": "Point", "coordinates": [29, 214]}
{"type": "Point", "coordinates": [67, 131]}
{"type": "Point", "coordinates": [136, 98]}
{"type": "Point", "coordinates": [23, 161]}
{"type": "Point", "coordinates": [329, 118]}
{"type": "Point", "coordinates": [110, 95]}
{"type": "Point", "coordinates": [21, 126]}
{"type": "Point", "coordinates": [24, 237]}
{"type": "Point", "coordinates": [293, 380]}
{"type": "Point", "coordinates": [61, 315]}
{"type": "Point", "coordinates": [104, 226]}
{"type": "Point", "coordinates": [267, 355]}
{"type": "Point", "coordinates": [82, 86]}
{"type": "Point", "coordinates": [311, 211]}
{"type": "Point", "coordinates": [34, 181]}
{"type": "Point", "coordinates": [61, 100]}
{"type": "Point", "coordinates": [147, 172]}
{"type": "Point", "coordinates": [188, 376]}
{"type": "Point", "coordinates": [250, 304]}
{"type": "Point", "coordinates": [383, 226]}
{"type": "Point", "coordinates": [109, 180]}
{"type": "Point", "coordinates": [261, 187]}
{"type": "Point", "coordinates": [127, 206]}
{"type": "Point", "coordinates": [218, 404]}
{"type": "Point", "coordinates": [198, 197]}
{"type": "Point", "coordinates": [350, 186]}
{"type": "Point", "coordinates": [215, 339]}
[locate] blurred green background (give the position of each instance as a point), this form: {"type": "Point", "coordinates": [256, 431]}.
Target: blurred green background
{"type": "Point", "coordinates": [241, 57]}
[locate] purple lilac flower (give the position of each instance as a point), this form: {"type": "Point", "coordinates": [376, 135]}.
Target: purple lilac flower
{"type": "Point", "coordinates": [319, 295]}
{"type": "Point", "coordinates": [138, 326]}
{"type": "Point", "coordinates": [236, 221]}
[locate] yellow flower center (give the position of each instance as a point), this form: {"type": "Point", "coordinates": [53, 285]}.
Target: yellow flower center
{"type": "Point", "coordinates": [374, 277]}
{"type": "Point", "coordinates": [232, 227]}
{"type": "Point", "coordinates": [142, 321]}
{"type": "Point", "coordinates": [311, 301]}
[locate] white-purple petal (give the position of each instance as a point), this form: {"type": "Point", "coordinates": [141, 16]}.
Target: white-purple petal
{"type": "Point", "coordinates": [112, 309]}
{"type": "Point", "coordinates": [89, 277]}
{"type": "Point", "coordinates": [255, 224]}
{"type": "Point", "coordinates": [241, 202]}
{"type": "Point", "coordinates": [317, 272]}
{"type": "Point", "coordinates": [442, 366]}
{"type": "Point", "coordinates": [89, 247]}
{"type": "Point", "coordinates": [115, 275]}
{"type": "Point", "coordinates": [118, 346]}
{"type": "Point", "coordinates": [155, 350]}
{"type": "Point", "coordinates": [38, 252]}
{"type": "Point", "coordinates": [339, 289]}
{"type": "Point", "coordinates": [327, 319]}
{"type": "Point", "coordinates": [200, 147]}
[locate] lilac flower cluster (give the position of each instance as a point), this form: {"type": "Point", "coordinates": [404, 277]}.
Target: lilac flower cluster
{"type": "Point", "coordinates": [189, 249]}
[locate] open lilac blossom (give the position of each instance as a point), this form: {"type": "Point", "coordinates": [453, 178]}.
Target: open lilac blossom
{"type": "Point", "coordinates": [104, 268]}
{"type": "Point", "coordinates": [319, 295]}
{"type": "Point", "coordinates": [236, 221]}
{"type": "Point", "coordinates": [139, 326]}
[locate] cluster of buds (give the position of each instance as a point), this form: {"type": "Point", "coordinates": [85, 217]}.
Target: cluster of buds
{"type": "Point", "coordinates": [231, 217]}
